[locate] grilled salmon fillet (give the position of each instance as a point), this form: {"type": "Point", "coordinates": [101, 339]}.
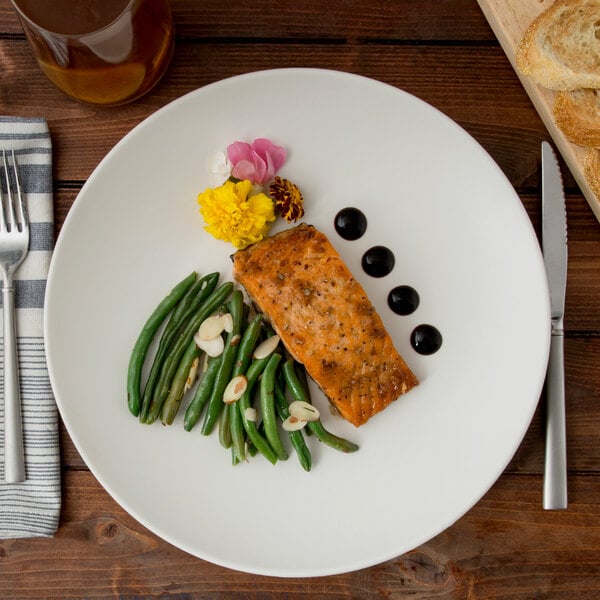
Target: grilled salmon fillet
{"type": "Point", "coordinates": [325, 320]}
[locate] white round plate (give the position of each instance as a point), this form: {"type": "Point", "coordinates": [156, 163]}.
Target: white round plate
{"type": "Point", "coordinates": [461, 238]}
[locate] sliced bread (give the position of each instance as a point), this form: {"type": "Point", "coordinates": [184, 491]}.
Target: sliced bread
{"type": "Point", "coordinates": [561, 48]}
{"type": "Point", "coordinates": [577, 114]}
{"type": "Point", "coordinates": [591, 170]}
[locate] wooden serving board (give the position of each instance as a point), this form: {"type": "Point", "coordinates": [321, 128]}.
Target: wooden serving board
{"type": "Point", "coordinates": [509, 19]}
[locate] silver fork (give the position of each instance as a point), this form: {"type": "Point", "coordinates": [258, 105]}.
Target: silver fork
{"type": "Point", "coordinates": [14, 243]}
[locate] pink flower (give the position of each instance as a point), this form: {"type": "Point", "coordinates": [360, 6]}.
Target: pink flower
{"type": "Point", "coordinates": [258, 162]}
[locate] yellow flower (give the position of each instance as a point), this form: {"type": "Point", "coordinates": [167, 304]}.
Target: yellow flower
{"type": "Point", "coordinates": [234, 216]}
{"type": "Point", "coordinates": [288, 199]}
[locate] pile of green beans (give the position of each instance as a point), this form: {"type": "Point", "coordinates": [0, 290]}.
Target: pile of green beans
{"type": "Point", "coordinates": [273, 381]}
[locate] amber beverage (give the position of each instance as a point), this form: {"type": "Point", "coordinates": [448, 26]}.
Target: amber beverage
{"type": "Point", "coordinates": [100, 51]}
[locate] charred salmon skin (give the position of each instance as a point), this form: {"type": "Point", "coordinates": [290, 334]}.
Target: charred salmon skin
{"type": "Point", "coordinates": [325, 320]}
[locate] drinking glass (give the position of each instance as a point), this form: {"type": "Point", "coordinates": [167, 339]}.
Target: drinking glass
{"type": "Point", "coordinates": [99, 51]}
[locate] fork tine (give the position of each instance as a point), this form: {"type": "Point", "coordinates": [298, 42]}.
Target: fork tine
{"type": "Point", "coordinates": [21, 208]}
{"type": "Point", "coordinates": [2, 210]}
{"type": "Point", "coordinates": [10, 216]}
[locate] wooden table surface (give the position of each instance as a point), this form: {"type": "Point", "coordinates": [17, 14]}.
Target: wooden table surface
{"type": "Point", "coordinates": [445, 53]}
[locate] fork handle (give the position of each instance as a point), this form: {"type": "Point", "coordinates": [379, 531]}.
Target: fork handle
{"type": "Point", "coordinates": [555, 470]}
{"type": "Point", "coordinates": [14, 460]}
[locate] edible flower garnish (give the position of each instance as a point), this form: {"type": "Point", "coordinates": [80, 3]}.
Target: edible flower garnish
{"type": "Point", "coordinates": [219, 168]}
{"type": "Point", "coordinates": [248, 192]}
{"type": "Point", "coordinates": [288, 199]}
{"type": "Point", "coordinates": [232, 215]}
{"type": "Point", "coordinates": [258, 161]}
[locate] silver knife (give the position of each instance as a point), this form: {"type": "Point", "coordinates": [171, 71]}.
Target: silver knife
{"type": "Point", "coordinates": [554, 244]}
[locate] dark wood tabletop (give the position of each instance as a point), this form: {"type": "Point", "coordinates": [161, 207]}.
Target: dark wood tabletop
{"type": "Point", "coordinates": [444, 53]}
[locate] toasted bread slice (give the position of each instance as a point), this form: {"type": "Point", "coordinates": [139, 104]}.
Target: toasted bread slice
{"type": "Point", "coordinates": [324, 318]}
{"type": "Point", "coordinates": [561, 48]}
{"type": "Point", "coordinates": [591, 170]}
{"type": "Point", "coordinates": [577, 114]}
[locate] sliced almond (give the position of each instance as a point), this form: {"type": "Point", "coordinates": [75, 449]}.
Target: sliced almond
{"type": "Point", "coordinates": [211, 328]}
{"type": "Point", "coordinates": [212, 347]}
{"type": "Point", "coordinates": [251, 414]}
{"type": "Point", "coordinates": [266, 348]}
{"type": "Point", "coordinates": [227, 322]}
{"type": "Point", "coordinates": [293, 424]}
{"type": "Point", "coordinates": [304, 411]}
{"type": "Point", "coordinates": [235, 388]}
{"type": "Point", "coordinates": [192, 375]}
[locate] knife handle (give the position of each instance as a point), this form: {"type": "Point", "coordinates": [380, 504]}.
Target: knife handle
{"type": "Point", "coordinates": [555, 470]}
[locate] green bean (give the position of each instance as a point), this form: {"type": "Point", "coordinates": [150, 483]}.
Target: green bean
{"type": "Point", "coordinates": [145, 338]}
{"type": "Point", "coordinates": [302, 378]}
{"type": "Point", "coordinates": [202, 393]}
{"type": "Point", "coordinates": [242, 360]}
{"type": "Point", "coordinates": [171, 406]}
{"type": "Point", "coordinates": [224, 428]}
{"type": "Point", "coordinates": [331, 440]}
{"type": "Point", "coordinates": [256, 438]}
{"type": "Point", "coordinates": [236, 433]}
{"type": "Point", "coordinates": [252, 449]}
{"type": "Point", "coordinates": [296, 437]}
{"type": "Point", "coordinates": [215, 404]}
{"type": "Point", "coordinates": [246, 346]}
{"type": "Point", "coordinates": [173, 357]}
{"type": "Point", "coordinates": [201, 288]}
{"type": "Point", "coordinates": [267, 406]}
{"type": "Point", "coordinates": [298, 392]}
{"type": "Point", "coordinates": [196, 293]}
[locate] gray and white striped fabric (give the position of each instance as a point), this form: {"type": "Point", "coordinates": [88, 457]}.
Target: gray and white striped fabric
{"type": "Point", "coordinates": [32, 508]}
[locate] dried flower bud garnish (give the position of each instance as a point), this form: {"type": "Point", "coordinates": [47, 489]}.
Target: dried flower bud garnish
{"type": "Point", "coordinates": [288, 199]}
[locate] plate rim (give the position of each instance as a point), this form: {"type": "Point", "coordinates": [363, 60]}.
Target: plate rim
{"type": "Point", "coordinates": [147, 122]}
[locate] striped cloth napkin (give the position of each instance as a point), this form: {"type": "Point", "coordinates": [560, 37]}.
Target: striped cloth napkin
{"type": "Point", "coordinates": [32, 508]}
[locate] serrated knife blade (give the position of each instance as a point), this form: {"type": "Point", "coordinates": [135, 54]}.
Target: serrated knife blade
{"type": "Point", "coordinates": [554, 245]}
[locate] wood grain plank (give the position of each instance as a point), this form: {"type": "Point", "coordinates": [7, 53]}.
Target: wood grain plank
{"type": "Point", "coordinates": [506, 547]}
{"type": "Point", "coordinates": [311, 19]}
{"type": "Point", "coordinates": [444, 52]}
{"type": "Point", "coordinates": [582, 390]}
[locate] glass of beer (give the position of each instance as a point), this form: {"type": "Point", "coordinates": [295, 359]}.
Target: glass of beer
{"type": "Point", "coordinates": [105, 52]}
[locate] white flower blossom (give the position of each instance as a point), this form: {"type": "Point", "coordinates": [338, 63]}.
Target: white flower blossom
{"type": "Point", "coordinates": [219, 168]}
